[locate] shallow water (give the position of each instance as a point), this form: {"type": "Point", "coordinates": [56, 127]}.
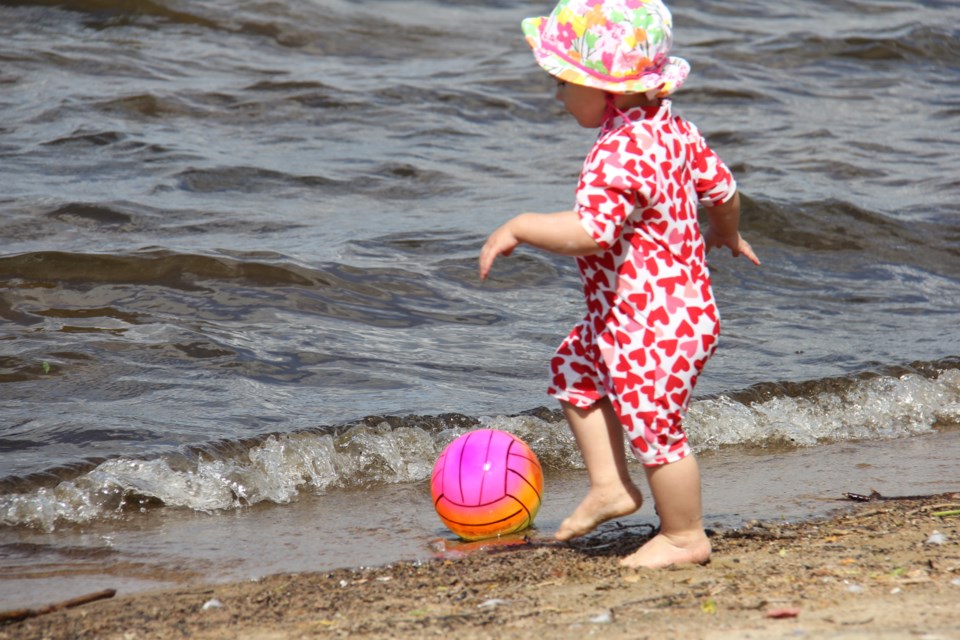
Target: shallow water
{"type": "Point", "coordinates": [231, 233]}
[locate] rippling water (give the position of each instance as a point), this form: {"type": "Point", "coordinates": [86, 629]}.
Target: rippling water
{"type": "Point", "coordinates": [234, 232]}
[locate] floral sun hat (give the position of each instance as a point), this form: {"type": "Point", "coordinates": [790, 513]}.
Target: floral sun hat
{"type": "Point", "coordinates": [619, 46]}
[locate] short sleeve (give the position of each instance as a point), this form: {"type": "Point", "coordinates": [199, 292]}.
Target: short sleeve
{"type": "Point", "coordinates": [712, 179]}
{"type": "Point", "coordinates": [608, 188]}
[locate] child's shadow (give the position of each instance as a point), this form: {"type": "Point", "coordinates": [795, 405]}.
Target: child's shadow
{"type": "Point", "coordinates": [612, 539]}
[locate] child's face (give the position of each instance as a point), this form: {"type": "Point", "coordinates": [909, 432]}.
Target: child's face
{"type": "Point", "coordinates": [586, 104]}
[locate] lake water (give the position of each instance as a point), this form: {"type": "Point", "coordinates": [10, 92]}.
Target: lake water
{"type": "Point", "coordinates": [238, 291]}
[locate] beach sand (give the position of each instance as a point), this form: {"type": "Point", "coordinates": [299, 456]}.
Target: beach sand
{"type": "Point", "coordinates": [887, 568]}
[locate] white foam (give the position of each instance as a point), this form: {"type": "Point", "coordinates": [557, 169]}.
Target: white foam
{"type": "Point", "coordinates": [275, 470]}
{"type": "Point", "coordinates": [882, 407]}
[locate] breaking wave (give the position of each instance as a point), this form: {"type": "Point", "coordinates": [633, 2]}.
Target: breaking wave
{"type": "Point", "coordinates": [382, 450]}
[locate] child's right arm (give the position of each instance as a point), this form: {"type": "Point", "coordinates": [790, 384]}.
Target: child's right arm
{"type": "Point", "coordinates": [724, 221]}
{"type": "Point", "coordinates": [555, 232]}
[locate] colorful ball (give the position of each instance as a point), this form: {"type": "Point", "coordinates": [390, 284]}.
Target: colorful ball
{"type": "Point", "coordinates": [487, 483]}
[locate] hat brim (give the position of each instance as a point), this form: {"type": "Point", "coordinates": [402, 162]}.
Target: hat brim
{"type": "Point", "coordinates": [666, 80]}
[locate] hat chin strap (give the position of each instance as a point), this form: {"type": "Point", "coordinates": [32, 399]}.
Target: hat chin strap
{"type": "Point", "coordinates": [611, 110]}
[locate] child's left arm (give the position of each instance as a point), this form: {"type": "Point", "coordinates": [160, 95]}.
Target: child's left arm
{"type": "Point", "coordinates": [723, 229]}
{"type": "Point", "coordinates": [555, 232]}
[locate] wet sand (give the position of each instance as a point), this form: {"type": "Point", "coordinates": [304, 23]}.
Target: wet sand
{"type": "Point", "coordinates": [878, 569]}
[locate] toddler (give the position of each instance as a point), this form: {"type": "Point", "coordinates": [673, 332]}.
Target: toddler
{"type": "Point", "coordinates": [651, 322]}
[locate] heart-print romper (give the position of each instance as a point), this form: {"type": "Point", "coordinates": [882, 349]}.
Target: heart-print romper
{"type": "Point", "coordinates": [651, 321]}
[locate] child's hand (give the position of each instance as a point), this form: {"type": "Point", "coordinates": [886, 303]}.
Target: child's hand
{"type": "Point", "coordinates": [501, 242]}
{"type": "Point", "coordinates": [722, 230]}
{"type": "Point", "coordinates": [737, 245]}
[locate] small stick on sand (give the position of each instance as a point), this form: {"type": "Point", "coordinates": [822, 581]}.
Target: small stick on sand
{"type": "Point", "coordinates": [875, 495]}
{"type": "Point", "coordinates": [15, 615]}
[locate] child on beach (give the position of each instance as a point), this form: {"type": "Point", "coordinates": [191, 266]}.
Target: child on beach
{"type": "Point", "coordinates": [651, 323]}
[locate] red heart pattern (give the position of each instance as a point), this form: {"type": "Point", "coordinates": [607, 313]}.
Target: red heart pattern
{"type": "Point", "coordinates": [651, 321]}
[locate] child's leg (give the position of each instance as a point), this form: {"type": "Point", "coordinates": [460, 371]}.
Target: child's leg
{"type": "Point", "coordinates": [612, 493]}
{"type": "Point", "coordinates": [682, 540]}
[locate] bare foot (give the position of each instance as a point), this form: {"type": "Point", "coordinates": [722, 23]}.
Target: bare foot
{"type": "Point", "coordinates": [599, 506]}
{"type": "Point", "coordinates": [663, 551]}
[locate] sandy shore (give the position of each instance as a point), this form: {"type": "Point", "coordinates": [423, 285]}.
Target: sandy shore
{"type": "Point", "coordinates": [880, 569]}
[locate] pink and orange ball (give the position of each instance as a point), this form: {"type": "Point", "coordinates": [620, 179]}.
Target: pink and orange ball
{"type": "Point", "coordinates": [487, 483]}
